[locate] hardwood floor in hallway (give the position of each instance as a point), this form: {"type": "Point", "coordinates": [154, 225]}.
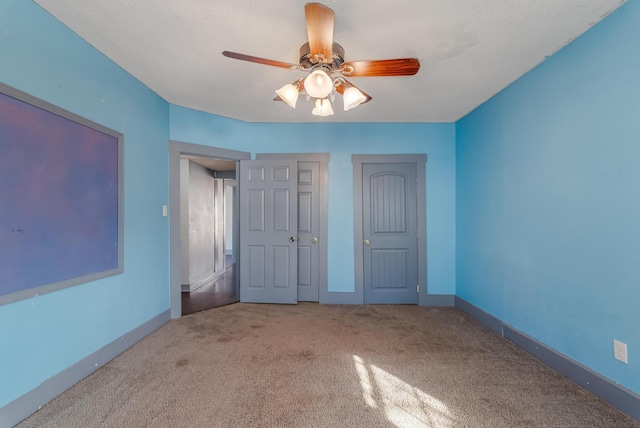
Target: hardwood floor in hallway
{"type": "Point", "coordinates": [219, 292]}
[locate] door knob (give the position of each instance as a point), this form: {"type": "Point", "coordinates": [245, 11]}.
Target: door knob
{"type": "Point", "coordinates": [292, 239]}
{"type": "Point", "coordinates": [367, 242]}
{"type": "Point", "coordinates": [314, 240]}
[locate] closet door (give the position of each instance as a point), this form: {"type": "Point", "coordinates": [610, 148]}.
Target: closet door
{"type": "Point", "coordinates": [312, 222]}
{"type": "Point", "coordinates": [268, 231]}
{"type": "Point", "coordinates": [390, 232]}
{"type": "Point", "coordinates": [308, 231]}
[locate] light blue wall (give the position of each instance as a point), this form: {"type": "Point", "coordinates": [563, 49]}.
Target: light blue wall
{"type": "Point", "coordinates": [41, 336]}
{"type": "Point", "coordinates": [342, 140]}
{"type": "Point", "coordinates": [548, 200]}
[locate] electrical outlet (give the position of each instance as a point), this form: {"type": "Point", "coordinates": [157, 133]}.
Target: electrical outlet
{"type": "Point", "coordinates": [620, 351]}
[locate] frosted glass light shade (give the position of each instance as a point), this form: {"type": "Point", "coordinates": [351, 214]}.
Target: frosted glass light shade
{"type": "Point", "coordinates": [322, 108]}
{"type": "Point", "coordinates": [352, 98]}
{"type": "Point", "coordinates": [289, 94]}
{"type": "Point", "coordinates": [318, 84]}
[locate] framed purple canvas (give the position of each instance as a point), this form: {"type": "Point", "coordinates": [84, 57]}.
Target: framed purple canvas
{"type": "Point", "coordinates": [61, 211]}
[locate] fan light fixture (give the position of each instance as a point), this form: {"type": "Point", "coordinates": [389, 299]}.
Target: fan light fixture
{"type": "Point", "coordinates": [318, 84]}
{"type": "Point", "coordinates": [322, 107]}
{"type": "Point", "coordinates": [289, 94]}
{"type": "Point", "coordinates": [352, 98]}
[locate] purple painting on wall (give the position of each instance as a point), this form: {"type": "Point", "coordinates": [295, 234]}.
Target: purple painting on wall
{"type": "Point", "coordinates": [59, 199]}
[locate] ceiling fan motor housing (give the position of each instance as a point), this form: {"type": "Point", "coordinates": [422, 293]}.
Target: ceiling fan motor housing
{"type": "Point", "coordinates": [308, 62]}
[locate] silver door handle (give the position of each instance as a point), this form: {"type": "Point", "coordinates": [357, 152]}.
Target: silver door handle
{"type": "Point", "coordinates": [367, 242]}
{"type": "Point", "coordinates": [314, 240]}
{"type": "Point", "coordinates": [292, 239]}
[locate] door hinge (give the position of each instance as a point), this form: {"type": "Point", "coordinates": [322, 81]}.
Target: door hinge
{"type": "Point", "coordinates": [417, 288]}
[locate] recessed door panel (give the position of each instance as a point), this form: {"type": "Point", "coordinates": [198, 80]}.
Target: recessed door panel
{"type": "Point", "coordinates": [256, 266]}
{"type": "Point", "coordinates": [282, 259]}
{"type": "Point", "coordinates": [256, 174]}
{"type": "Point", "coordinates": [256, 210]}
{"type": "Point", "coordinates": [281, 173]}
{"type": "Point", "coordinates": [304, 265]}
{"type": "Point", "coordinates": [281, 210]}
{"type": "Point", "coordinates": [389, 268]}
{"type": "Point", "coordinates": [305, 177]}
{"type": "Point", "coordinates": [388, 203]}
{"type": "Point", "coordinates": [305, 216]}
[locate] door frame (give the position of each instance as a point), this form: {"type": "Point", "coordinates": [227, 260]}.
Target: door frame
{"type": "Point", "coordinates": [177, 148]}
{"type": "Point", "coordinates": [323, 160]}
{"type": "Point", "coordinates": [235, 240]}
{"type": "Point", "coordinates": [421, 205]}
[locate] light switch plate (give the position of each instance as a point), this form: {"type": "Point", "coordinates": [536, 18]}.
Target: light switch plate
{"type": "Point", "coordinates": [620, 351]}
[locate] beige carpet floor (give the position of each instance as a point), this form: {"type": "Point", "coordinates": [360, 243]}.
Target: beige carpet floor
{"type": "Point", "coordinates": [314, 365]}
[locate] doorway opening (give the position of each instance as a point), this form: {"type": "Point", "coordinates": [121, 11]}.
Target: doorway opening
{"type": "Point", "coordinates": [207, 193]}
{"type": "Point", "coordinates": [203, 260]}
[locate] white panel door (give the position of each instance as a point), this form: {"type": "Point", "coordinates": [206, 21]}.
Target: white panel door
{"type": "Point", "coordinates": [268, 231]}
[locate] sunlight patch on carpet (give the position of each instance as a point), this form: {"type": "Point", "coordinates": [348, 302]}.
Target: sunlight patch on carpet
{"type": "Point", "coordinates": [403, 404]}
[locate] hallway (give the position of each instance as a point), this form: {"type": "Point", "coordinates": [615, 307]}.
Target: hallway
{"type": "Point", "coordinates": [219, 292]}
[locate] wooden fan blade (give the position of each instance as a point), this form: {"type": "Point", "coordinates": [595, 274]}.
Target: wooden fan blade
{"type": "Point", "coordinates": [342, 87]}
{"type": "Point", "coordinates": [320, 21]}
{"type": "Point", "coordinates": [258, 60]}
{"type": "Point", "coordinates": [384, 67]}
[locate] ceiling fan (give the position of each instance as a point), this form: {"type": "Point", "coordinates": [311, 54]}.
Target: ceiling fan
{"type": "Point", "coordinates": [324, 60]}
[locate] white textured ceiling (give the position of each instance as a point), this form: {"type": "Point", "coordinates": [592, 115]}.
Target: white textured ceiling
{"type": "Point", "coordinates": [469, 49]}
